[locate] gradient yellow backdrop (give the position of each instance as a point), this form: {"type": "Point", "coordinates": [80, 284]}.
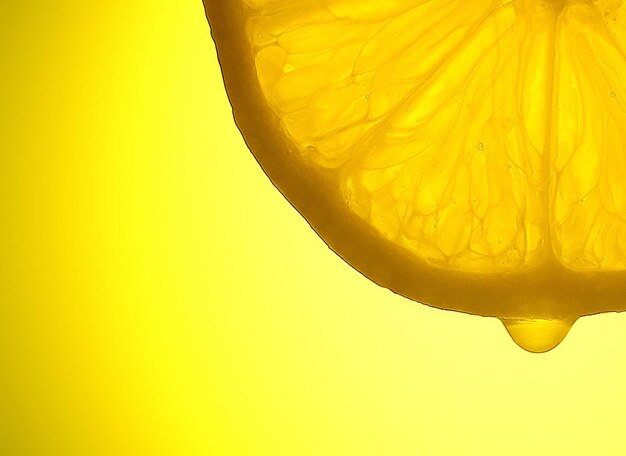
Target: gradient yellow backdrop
{"type": "Point", "coordinates": [158, 296]}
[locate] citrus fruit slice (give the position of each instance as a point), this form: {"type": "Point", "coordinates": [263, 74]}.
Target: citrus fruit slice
{"type": "Point", "coordinates": [469, 156]}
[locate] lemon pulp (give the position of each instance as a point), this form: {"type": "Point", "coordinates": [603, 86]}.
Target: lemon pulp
{"type": "Point", "coordinates": [467, 156]}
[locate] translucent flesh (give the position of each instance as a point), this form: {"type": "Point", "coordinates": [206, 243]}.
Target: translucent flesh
{"type": "Point", "coordinates": [482, 136]}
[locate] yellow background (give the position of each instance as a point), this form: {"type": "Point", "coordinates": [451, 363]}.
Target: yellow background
{"type": "Point", "coordinates": [158, 296]}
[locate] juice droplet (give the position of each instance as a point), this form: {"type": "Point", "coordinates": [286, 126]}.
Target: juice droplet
{"type": "Point", "coordinates": [537, 335]}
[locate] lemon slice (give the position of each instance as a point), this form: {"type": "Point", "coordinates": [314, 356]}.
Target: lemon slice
{"type": "Point", "coordinates": [468, 156]}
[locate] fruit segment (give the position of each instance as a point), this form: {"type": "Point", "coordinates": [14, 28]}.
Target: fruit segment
{"type": "Point", "coordinates": [589, 203]}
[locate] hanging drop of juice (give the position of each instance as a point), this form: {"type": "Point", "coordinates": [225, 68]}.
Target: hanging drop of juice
{"type": "Point", "coordinates": [537, 335]}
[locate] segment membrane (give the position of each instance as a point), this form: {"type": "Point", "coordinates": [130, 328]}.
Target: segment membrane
{"type": "Point", "coordinates": [589, 204]}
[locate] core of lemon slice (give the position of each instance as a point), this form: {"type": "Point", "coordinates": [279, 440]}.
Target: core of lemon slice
{"type": "Point", "coordinates": [468, 155]}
